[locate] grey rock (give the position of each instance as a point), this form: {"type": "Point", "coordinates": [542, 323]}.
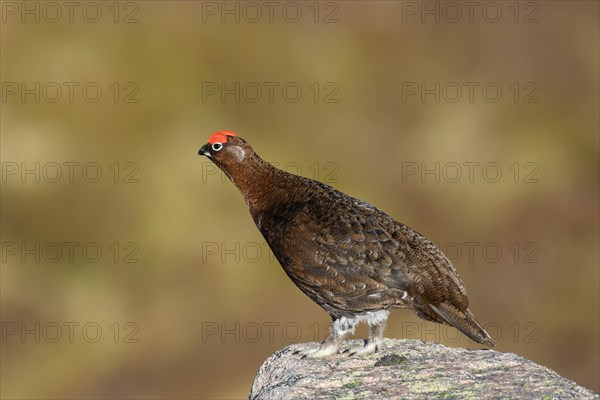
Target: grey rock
{"type": "Point", "coordinates": [410, 369]}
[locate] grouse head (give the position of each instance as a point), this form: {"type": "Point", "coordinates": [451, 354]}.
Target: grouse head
{"type": "Point", "coordinates": [237, 160]}
{"type": "Point", "coordinates": [225, 149]}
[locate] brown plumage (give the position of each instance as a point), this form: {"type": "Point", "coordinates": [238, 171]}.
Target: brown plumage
{"type": "Point", "coordinates": [351, 258]}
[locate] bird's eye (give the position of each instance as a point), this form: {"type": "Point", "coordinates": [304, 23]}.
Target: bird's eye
{"type": "Point", "coordinates": [217, 146]}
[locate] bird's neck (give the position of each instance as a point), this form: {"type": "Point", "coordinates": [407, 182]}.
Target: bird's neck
{"type": "Point", "coordinates": [259, 182]}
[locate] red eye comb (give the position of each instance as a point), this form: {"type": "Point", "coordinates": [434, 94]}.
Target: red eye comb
{"type": "Point", "coordinates": [220, 137]}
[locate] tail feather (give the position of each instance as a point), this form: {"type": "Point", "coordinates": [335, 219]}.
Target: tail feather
{"type": "Point", "coordinates": [464, 321]}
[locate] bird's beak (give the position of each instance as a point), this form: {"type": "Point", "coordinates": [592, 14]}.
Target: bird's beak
{"type": "Point", "coordinates": [204, 150]}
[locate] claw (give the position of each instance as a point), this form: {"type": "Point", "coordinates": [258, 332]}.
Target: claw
{"type": "Point", "coordinates": [368, 348]}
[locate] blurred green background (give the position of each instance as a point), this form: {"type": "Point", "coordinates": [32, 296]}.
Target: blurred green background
{"type": "Point", "coordinates": [184, 300]}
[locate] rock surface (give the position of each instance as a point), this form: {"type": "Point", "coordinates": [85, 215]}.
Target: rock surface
{"type": "Point", "coordinates": [410, 369]}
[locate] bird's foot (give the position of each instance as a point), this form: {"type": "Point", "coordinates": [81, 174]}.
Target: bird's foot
{"type": "Point", "coordinates": [370, 347]}
{"type": "Point", "coordinates": [326, 349]}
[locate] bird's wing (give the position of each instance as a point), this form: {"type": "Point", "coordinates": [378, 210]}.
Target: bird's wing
{"type": "Point", "coordinates": [378, 262]}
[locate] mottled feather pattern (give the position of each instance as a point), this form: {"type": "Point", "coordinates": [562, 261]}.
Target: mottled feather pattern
{"type": "Point", "coordinates": [356, 257]}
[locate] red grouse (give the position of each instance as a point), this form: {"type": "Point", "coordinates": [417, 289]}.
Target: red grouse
{"type": "Point", "coordinates": [349, 257]}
